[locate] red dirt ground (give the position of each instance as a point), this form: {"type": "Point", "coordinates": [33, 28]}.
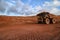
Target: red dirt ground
{"type": "Point", "coordinates": [13, 28]}
{"type": "Point", "coordinates": [30, 32]}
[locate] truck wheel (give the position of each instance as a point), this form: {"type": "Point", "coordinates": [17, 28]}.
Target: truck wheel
{"type": "Point", "coordinates": [39, 22]}
{"type": "Point", "coordinates": [53, 21]}
{"type": "Point", "coordinates": [47, 21]}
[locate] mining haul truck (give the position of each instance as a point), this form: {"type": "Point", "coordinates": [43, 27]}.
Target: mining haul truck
{"type": "Point", "coordinates": [46, 17]}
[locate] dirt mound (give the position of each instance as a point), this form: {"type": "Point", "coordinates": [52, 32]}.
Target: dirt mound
{"type": "Point", "coordinates": [17, 19]}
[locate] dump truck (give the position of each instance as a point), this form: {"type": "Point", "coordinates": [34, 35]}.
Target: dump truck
{"type": "Point", "coordinates": [46, 17]}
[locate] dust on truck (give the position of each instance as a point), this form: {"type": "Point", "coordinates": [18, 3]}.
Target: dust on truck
{"type": "Point", "coordinates": [46, 17]}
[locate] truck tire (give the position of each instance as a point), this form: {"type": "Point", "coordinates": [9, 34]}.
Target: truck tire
{"type": "Point", "coordinates": [39, 22]}
{"type": "Point", "coordinates": [47, 21]}
{"type": "Point", "coordinates": [53, 21]}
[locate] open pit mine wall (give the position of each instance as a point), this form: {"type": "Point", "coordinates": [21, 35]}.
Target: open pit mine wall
{"type": "Point", "coordinates": [17, 19]}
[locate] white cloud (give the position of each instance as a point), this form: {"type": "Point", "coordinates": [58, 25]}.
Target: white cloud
{"type": "Point", "coordinates": [52, 7]}
{"type": "Point", "coordinates": [23, 9]}
{"type": "Point", "coordinates": [38, 8]}
{"type": "Point", "coordinates": [56, 3]}
{"type": "Point", "coordinates": [54, 10]}
{"type": "Point", "coordinates": [53, 3]}
{"type": "Point", "coordinates": [9, 4]}
{"type": "Point", "coordinates": [3, 5]}
{"type": "Point", "coordinates": [19, 3]}
{"type": "Point", "coordinates": [13, 1]}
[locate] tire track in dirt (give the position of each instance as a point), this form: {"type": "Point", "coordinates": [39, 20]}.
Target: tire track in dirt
{"type": "Point", "coordinates": [30, 32]}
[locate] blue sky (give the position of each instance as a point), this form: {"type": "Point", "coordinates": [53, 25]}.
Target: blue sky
{"type": "Point", "coordinates": [32, 2]}
{"type": "Point", "coordinates": [28, 7]}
